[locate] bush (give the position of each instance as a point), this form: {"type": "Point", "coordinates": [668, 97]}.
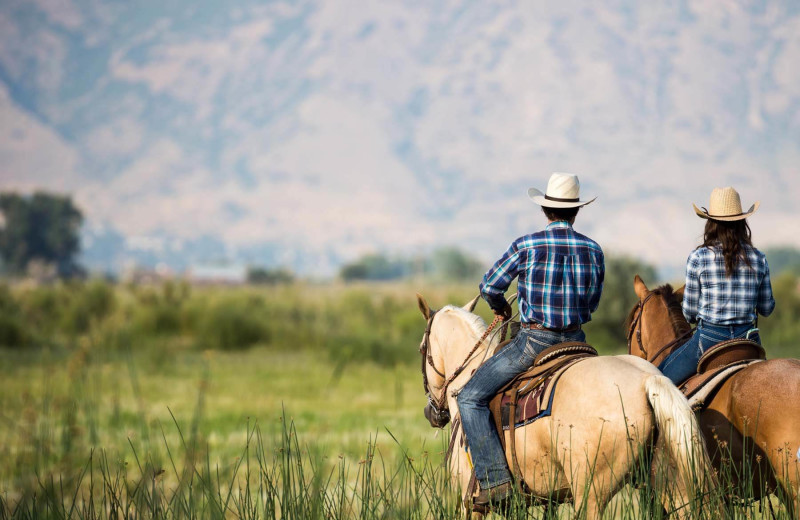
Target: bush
{"type": "Point", "coordinates": [13, 332]}
{"type": "Point", "coordinates": [231, 324]}
{"type": "Point", "coordinates": [86, 303]}
{"type": "Point", "coordinates": [161, 311]}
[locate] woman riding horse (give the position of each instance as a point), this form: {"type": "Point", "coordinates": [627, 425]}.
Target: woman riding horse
{"type": "Point", "coordinates": [727, 283]}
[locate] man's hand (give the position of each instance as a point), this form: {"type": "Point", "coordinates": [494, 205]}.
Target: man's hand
{"type": "Point", "coordinates": [505, 312]}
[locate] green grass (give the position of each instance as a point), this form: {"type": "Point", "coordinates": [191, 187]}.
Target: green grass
{"type": "Point", "coordinates": [297, 401]}
{"type": "Point", "coordinates": [253, 434]}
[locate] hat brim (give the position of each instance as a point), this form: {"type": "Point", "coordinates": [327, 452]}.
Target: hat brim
{"type": "Point", "coordinates": [703, 213]}
{"type": "Point", "coordinates": [539, 198]}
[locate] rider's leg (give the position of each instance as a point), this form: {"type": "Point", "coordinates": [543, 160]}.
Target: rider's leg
{"type": "Point", "coordinates": [682, 363]}
{"type": "Point", "coordinates": [473, 399]}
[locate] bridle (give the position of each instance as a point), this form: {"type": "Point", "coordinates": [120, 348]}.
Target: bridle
{"type": "Point", "coordinates": [636, 328]}
{"type": "Point", "coordinates": [439, 404]}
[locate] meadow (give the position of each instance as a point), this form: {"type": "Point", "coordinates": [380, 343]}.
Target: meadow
{"type": "Point", "coordinates": [290, 401]}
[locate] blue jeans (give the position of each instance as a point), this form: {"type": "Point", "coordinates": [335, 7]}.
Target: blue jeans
{"type": "Point", "coordinates": [682, 363]}
{"type": "Point", "coordinates": [487, 454]}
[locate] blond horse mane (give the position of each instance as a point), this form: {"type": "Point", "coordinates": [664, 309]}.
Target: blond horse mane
{"type": "Point", "coordinates": [475, 323]}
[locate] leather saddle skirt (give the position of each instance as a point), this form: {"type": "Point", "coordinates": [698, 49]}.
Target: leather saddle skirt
{"type": "Point", "coordinates": [717, 364]}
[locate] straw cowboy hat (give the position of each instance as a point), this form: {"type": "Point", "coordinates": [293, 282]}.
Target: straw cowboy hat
{"type": "Point", "coordinates": [563, 191]}
{"type": "Point", "coordinates": [725, 204]}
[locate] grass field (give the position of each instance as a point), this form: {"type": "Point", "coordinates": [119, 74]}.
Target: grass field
{"type": "Point", "coordinates": [133, 413]}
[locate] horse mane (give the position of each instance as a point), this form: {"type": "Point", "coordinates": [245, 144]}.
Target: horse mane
{"type": "Point", "coordinates": [679, 324]}
{"type": "Point", "coordinates": [474, 321]}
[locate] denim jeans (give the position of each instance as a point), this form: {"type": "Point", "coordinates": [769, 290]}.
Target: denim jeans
{"type": "Point", "coordinates": [682, 363]}
{"type": "Point", "coordinates": [473, 399]}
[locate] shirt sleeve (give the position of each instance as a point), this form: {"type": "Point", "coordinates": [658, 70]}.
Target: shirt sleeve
{"type": "Point", "coordinates": [766, 302]}
{"type": "Point", "coordinates": [499, 277]}
{"type": "Point", "coordinates": [599, 279]}
{"type": "Point", "coordinates": [691, 293]}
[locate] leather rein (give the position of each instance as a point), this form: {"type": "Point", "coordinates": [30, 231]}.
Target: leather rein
{"type": "Point", "coordinates": [439, 405]}
{"type": "Point", "coordinates": [636, 329]}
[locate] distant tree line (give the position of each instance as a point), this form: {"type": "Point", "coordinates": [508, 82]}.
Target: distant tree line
{"type": "Point", "coordinates": [265, 276]}
{"type": "Point", "coordinates": [446, 264]}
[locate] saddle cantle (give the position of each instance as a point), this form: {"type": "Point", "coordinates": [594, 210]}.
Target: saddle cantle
{"type": "Point", "coordinates": [729, 351]}
{"type": "Point", "coordinates": [716, 365]}
{"type": "Point", "coordinates": [563, 349]}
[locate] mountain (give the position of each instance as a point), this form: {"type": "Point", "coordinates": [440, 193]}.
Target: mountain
{"type": "Point", "coordinates": [307, 133]}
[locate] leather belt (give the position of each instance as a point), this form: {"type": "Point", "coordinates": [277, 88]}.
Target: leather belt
{"type": "Point", "coordinates": [538, 326]}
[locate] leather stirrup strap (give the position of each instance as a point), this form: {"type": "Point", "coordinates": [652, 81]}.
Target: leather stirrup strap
{"type": "Point", "coordinates": [512, 444]}
{"type": "Point", "coordinates": [496, 408]}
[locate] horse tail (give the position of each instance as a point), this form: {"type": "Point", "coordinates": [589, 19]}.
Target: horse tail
{"type": "Point", "coordinates": [680, 431]}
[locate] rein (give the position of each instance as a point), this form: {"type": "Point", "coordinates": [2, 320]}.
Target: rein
{"type": "Point", "coordinates": [439, 405]}
{"type": "Point", "coordinates": [636, 326]}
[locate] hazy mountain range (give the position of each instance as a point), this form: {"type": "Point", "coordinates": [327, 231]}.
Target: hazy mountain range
{"type": "Point", "coordinates": [308, 133]}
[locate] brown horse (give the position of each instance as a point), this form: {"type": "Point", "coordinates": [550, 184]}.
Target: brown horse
{"type": "Point", "coordinates": [753, 420]}
{"type": "Point", "coordinates": [607, 411]}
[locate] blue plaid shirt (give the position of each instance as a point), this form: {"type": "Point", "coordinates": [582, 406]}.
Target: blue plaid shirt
{"type": "Point", "coordinates": [715, 298]}
{"type": "Point", "coordinates": [560, 277]}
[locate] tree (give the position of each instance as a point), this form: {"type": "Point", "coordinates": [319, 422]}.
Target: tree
{"type": "Point", "coordinates": [785, 258]}
{"type": "Point", "coordinates": [606, 328]}
{"type": "Point", "coordinates": [374, 267]}
{"type": "Point", "coordinates": [39, 228]}
{"type": "Point", "coordinates": [452, 264]}
{"type": "Point", "coordinates": [263, 276]}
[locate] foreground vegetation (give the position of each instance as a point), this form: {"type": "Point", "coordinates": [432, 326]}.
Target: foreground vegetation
{"type": "Point", "coordinates": [231, 435]}
{"type": "Point", "coordinates": [296, 401]}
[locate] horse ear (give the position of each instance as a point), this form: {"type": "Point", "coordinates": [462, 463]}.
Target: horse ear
{"type": "Point", "coordinates": [470, 306]}
{"type": "Point", "coordinates": [423, 306]}
{"type": "Point", "coordinates": [679, 293]}
{"type": "Point", "coordinates": [641, 289]}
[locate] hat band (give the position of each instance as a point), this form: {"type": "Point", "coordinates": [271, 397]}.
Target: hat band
{"type": "Point", "coordinates": [723, 216]}
{"type": "Point", "coordinates": [558, 199]}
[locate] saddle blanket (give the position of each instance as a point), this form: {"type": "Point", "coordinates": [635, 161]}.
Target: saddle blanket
{"type": "Point", "coordinates": [533, 405]}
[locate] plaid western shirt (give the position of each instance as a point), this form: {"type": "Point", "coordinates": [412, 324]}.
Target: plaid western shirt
{"type": "Point", "coordinates": [560, 277]}
{"type": "Point", "coordinates": [715, 298]}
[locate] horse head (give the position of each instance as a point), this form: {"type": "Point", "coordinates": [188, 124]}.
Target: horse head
{"type": "Point", "coordinates": [656, 322]}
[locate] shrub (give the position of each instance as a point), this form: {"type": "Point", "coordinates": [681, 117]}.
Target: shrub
{"type": "Point", "coordinates": [86, 303]}
{"type": "Point", "coordinates": [13, 332]}
{"type": "Point", "coordinates": [231, 324]}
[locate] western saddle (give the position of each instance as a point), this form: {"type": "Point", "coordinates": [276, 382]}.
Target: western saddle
{"type": "Point", "coordinates": [716, 365]}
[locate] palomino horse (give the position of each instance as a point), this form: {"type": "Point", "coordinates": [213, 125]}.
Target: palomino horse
{"type": "Point", "coordinates": [606, 415]}
{"type": "Point", "coordinates": [753, 420]}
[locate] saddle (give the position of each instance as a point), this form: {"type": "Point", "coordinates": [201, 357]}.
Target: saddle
{"type": "Point", "coordinates": [716, 365]}
{"type": "Point", "coordinates": [529, 396]}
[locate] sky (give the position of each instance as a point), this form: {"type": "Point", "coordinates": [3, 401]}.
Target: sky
{"type": "Point", "coordinates": [308, 133]}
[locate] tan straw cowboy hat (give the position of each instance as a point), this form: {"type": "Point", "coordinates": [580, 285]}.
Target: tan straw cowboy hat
{"type": "Point", "coordinates": [725, 204]}
{"type": "Point", "coordinates": [563, 191]}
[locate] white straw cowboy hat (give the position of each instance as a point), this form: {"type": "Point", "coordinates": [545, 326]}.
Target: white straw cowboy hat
{"type": "Point", "coordinates": [563, 191]}
{"type": "Point", "coordinates": [725, 204]}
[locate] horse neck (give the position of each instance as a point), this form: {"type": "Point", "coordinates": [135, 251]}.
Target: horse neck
{"type": "Point", "coordinates": [660, 332]}
{"type": "Point", "coordinates": [460, 339]}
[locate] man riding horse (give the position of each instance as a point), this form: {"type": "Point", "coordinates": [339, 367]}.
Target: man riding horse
{"type": "Point", "coordinates": [560, 279]}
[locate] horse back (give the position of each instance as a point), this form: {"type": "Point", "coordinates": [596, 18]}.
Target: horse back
{"type": "Point", "coordinates": [751, 414]}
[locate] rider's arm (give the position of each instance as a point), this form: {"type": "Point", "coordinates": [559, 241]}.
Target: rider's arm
{"type": "Point", "coordinates": [598, 276]}
{"type": "Point", "coordinates": [691, 292]}
{"type": "Point", "coordinates": [766, 302]}
{"type": "Point", "coordinates": [499, 277]}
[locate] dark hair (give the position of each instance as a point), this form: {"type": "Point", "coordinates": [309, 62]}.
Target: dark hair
{"type": "Point", "coordinates": [555, 214]}
{"type": "Point", "coordinates": [731, 237]}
